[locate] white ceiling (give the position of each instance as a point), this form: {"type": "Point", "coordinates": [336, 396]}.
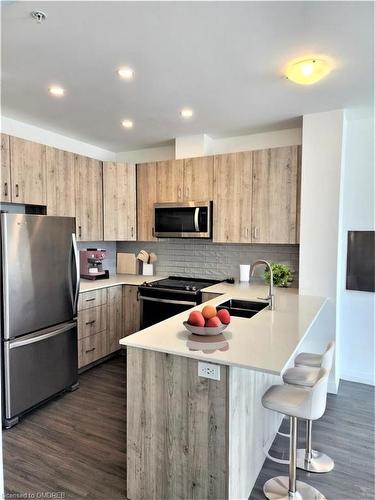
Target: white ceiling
{"type": "Point", "coordinates": [223, 59]}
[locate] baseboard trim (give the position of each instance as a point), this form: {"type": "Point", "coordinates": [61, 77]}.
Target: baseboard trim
{"type": "Point", "coordinates": [359, 378]}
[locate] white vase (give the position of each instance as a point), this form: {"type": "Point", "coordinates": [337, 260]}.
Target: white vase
{"type": "Point", "coordinates": [244, 272]}
{"type": "Point", "coordinates": [148, 269]}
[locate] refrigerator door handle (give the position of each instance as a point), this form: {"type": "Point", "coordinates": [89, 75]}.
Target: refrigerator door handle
{"type": "Point", "coordinates": [39, 338]}
{"type": "Point", "coordinates": [75, 295]}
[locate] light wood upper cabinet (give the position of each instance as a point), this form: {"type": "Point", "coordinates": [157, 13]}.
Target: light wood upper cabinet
{"type": "Point", "coordinates": [232, 198]}
{"type": "Point", "coordinates": [276, 184]}
{"type": "Point", "coordinates": [28, 171]}
{"type": "Point", "coordinates": [198, 178]}
{"type": "Point", "coordinates": [146, 197]}
{"type": "Point", "coordinates": [119, 199]}
{"type": "Point", "coordinates": [89, 198]}
{"type": "Point", "coordinates": [5, 190]}
{"type": "Point", "coordinates": [169, 180]}
{"type": "Point", "coordinates": [60, 182]}
{"type": "Point", "coordinates": [131, 309]}
{"type": "Point", "coordinates": [115, 318]}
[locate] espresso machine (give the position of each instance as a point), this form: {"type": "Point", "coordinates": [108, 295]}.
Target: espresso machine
{"type": "Point", "coordinates": [91, 264]}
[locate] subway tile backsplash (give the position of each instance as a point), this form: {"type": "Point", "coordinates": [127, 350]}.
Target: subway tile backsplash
{"type": "Point", "coordinates": [202, 258]}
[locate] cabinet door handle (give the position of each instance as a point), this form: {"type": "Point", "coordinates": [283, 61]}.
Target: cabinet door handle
{"type": "Point", "coordinates": [90, 350]}
{"type": "Point", "coordinates": [79, 231]}
{"type": "Point", "coordinates": [5, 189]}
{"type": "Point", "coordinates": [247, 233]}
{"type": "Point", "coordinates": [179, 192]}
{"type": "Point", "coordinates": [132, 231]}
{"type": "Point", "coordinates": [187, 193]}
{"type": "Point", "coordinates": [256, 232]}
{"type": "Point", "coordinates": [153, 232]}
{"type": "Point", "coordinates": [17, 190]}
{"type": "Point", "coordinates": [91, 322]}
{"type": "Point", "coordinates": [90, 300]}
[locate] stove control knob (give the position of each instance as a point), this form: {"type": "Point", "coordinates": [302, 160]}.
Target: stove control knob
{"type": "Point", "coordinates": [187, 288]}
{"type": "Point", "coordinates": [194, 288]}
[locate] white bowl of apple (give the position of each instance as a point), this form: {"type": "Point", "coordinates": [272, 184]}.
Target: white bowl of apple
{"type": "Point", "coordinates": [209, 321]}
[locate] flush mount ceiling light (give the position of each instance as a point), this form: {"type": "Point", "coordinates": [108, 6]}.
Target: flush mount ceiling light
{"type": "Point", "coordinates": [127, 123]}
{"type": "Point", "coordinates": [308, 70]}
{"type": "Point", "coordinates": [126, 73]}
{"type": "Point", "coordinates": [186, 113]}
{"type": "Point", "coordinates": [56, 91]}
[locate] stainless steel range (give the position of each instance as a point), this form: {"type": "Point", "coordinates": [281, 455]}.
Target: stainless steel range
{"type": "Point", "coordinates": [169, 296]}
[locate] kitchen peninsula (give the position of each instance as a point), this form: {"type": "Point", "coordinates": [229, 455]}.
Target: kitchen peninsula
{"type": "Point", "coordinates": [194, 437]}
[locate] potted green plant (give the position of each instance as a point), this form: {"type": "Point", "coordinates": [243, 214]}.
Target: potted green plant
{"type": "Point", "coordinates": [282, 275]}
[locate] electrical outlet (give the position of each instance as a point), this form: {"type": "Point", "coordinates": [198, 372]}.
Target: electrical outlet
{"type": "Point", "coordinates": [208, 370]}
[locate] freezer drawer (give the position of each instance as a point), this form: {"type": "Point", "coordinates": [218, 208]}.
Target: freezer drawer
{"type": "Point", "coordinates": [38, 366]}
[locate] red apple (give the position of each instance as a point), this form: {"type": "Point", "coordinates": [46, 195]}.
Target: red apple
{"type": "Point", "coordinates": [224, 316]}
{"type": "Point", "coordinates": [213, 322]}
{"type": "Point", "coordinates": [196, 318]}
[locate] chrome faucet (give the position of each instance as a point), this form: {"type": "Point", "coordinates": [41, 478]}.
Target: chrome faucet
{"type": "Point", "coordinates": [271, 297]}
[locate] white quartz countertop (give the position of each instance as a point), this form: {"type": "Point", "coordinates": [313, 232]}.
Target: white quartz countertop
{"type": "Point", "coordinates": [116, 279]}
{"type": "Point", "coordinates": [266, 342]}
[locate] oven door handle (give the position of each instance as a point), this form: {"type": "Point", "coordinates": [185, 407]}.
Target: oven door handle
{"type": "Point", "coordinates": [196, 219]}
{"type": "Point", "coordinates": [169, 301]}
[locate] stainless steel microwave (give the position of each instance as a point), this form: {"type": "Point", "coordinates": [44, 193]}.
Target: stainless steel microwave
{"type": "Point", "coordinates": [183, 220]}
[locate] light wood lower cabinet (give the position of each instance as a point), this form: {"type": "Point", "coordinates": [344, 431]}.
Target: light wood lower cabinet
{"type": "Point", "coordinates": [91, 321]}
{"type": "Point", "coordinates": [92, 348]}
{"type": "Point", "coordinates": [115, 322]}
{"type": "Point", "coordinates": [5, 191]}
{"type": "Point", "coordinates": [92, 298]}
{"type": "Point", "coordinates": [104, 317]}
{"type": "Point", "coordinates": [131, 309]}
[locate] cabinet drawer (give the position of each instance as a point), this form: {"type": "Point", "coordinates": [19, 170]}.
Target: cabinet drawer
{"type": "Point", "coordinates": [91, 348]}
{"type": "Point", "coordinates": [91, 321]}
{"type": "Point", "coordinates": [92, 299]}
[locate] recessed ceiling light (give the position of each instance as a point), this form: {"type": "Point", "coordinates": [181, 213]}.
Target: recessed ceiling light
{"type": "Point", "coordinates": [126, 73]}
{"type": "Point", "coordinates": [56, 90]}
{"type": "Point", "coordinates": [127, 123]}
{"type": "Point", "coordinates": [308, 70]}
{"type": "Point", "coordinates": [186, 113]}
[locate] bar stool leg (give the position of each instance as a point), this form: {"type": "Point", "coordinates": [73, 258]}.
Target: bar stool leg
{"type": "Point", "coordinates": [288, 488]}
{"type": "Point", "coordinates": [311, 460]}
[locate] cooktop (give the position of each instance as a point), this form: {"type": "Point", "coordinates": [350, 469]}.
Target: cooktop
{"type": "Point", "coordinates": [182, 283]}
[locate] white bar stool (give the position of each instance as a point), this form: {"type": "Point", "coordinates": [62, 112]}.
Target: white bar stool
{"type": "Point", "coordinates": [308, 403]}
{"type": "Point", "coordinates": [306, 375]}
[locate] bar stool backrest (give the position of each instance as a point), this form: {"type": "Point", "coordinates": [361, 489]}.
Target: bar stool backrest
{"type": "Point", "coordinates": [318, 396]}
{"type": "Point", "coordinates": [327, 357]}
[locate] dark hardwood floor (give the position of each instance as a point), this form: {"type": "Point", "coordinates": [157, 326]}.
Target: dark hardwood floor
{"type": "Point", "coordinates": [76, 443]}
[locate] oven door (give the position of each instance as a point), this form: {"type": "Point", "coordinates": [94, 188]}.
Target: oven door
{"type": "Point", "coordinates": [183, 220]}
{"type": "Point", "coordinates": [156, 309]}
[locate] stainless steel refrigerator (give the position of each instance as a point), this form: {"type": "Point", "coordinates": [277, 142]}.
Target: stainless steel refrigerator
{"type": "Point", "coordinates": [39, 294]}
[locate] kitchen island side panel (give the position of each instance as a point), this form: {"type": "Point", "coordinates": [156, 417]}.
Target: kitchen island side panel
{"type": "Point", "coordinates": [251, 428]}
{"type": "Point", "coordinates": [177, 429]}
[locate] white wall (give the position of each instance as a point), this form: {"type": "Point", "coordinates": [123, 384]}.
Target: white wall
{"type": "Point", "coordinates": [43, 136]}
{"type": "Point", "coordinates": [148, 154]}
{"type": "Point", "coordinates": [355, 312]}
{"type": "Point", "coordinates": [322, 142]}
{"type": "Point", "coordinates": [275, 139]}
